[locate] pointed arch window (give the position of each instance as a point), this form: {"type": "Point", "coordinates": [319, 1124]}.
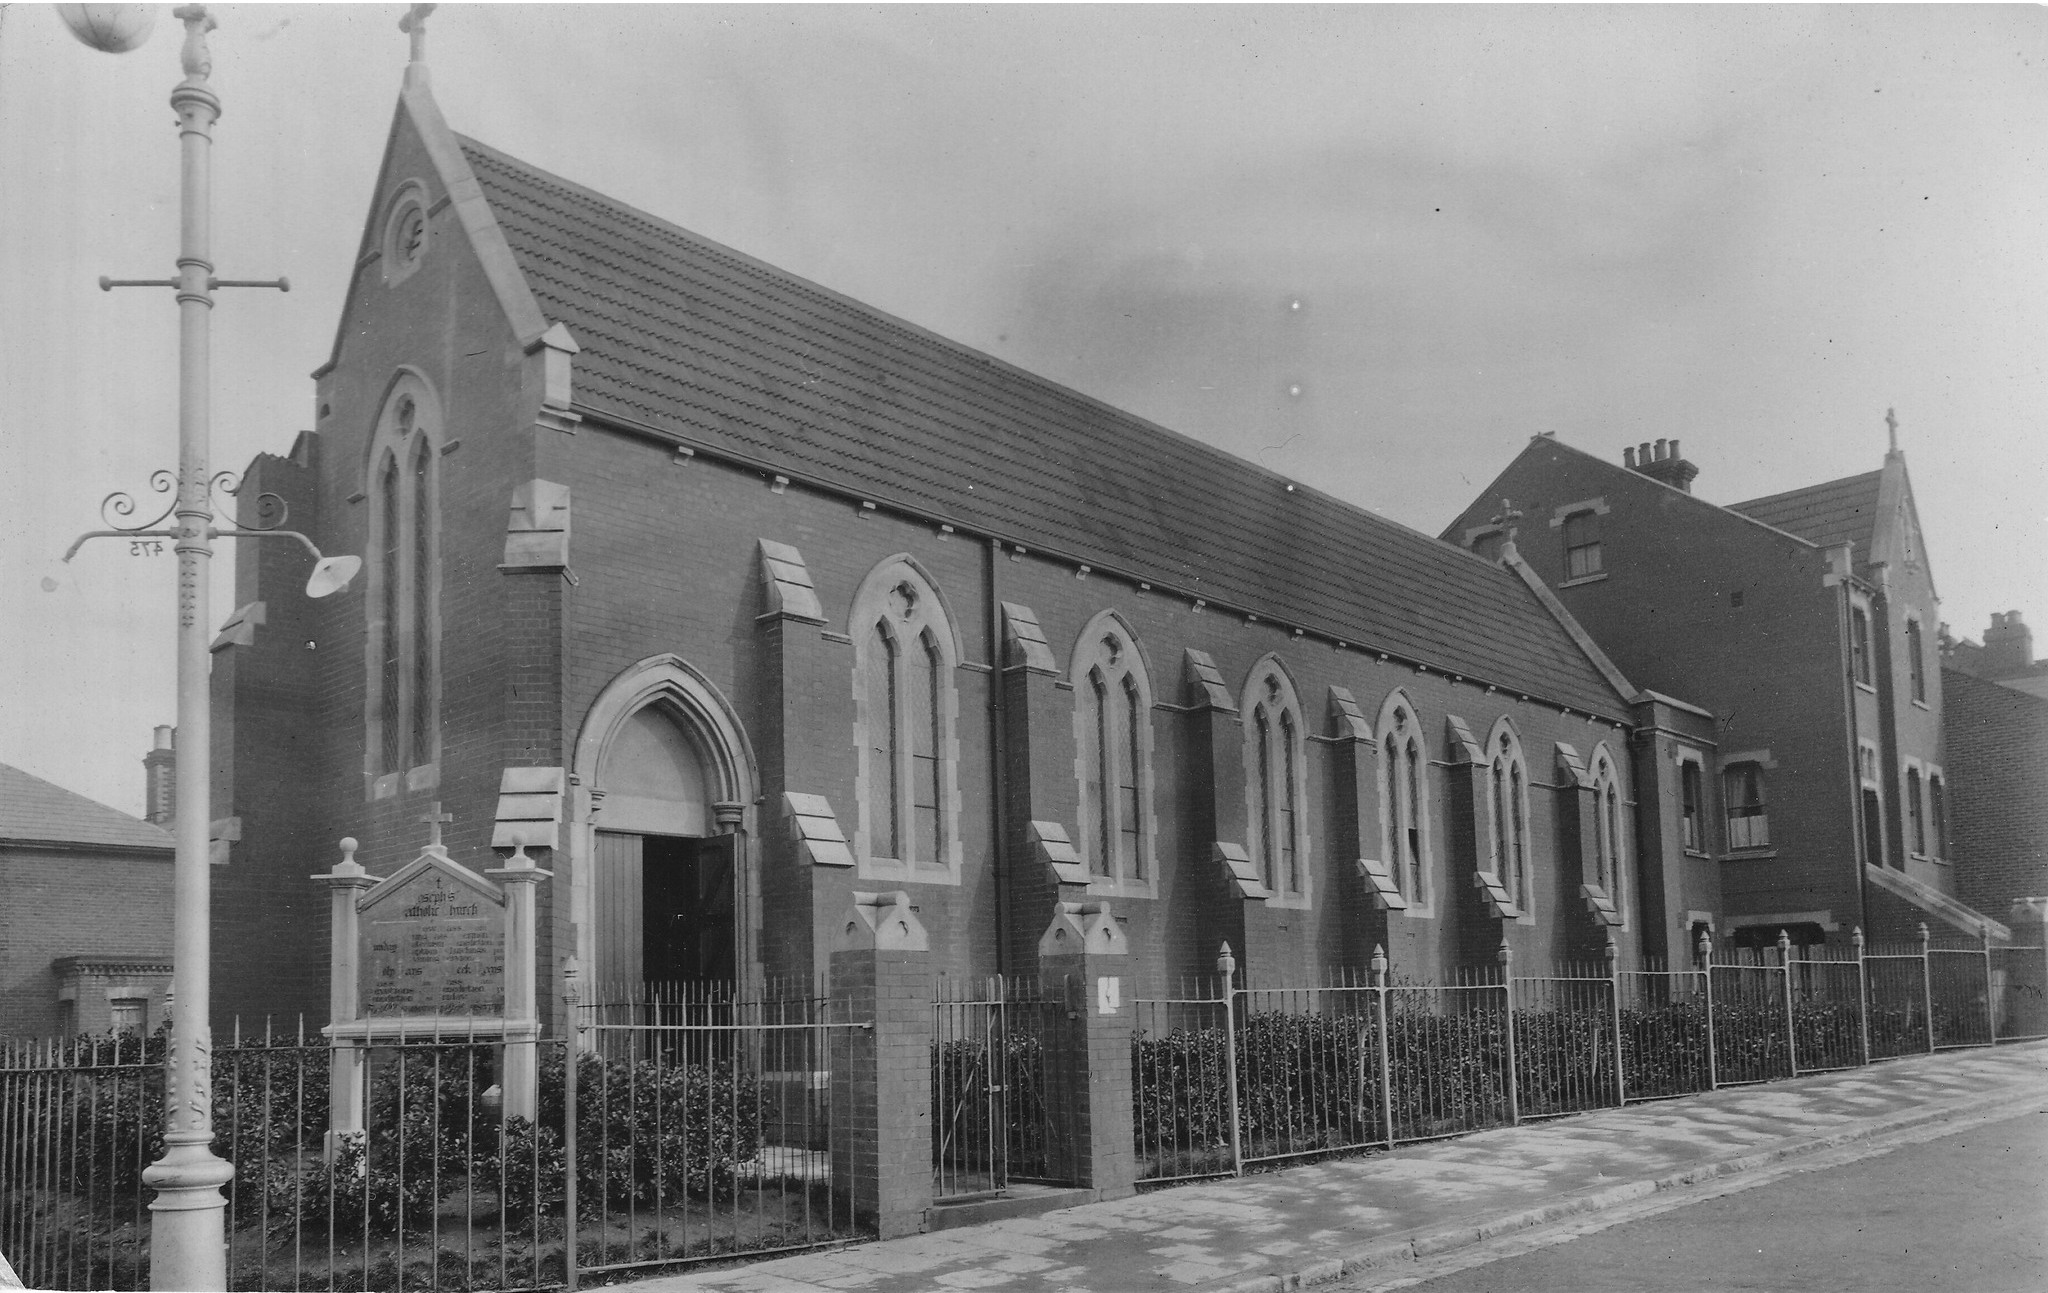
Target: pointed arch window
{"type": "Point", "coordinates": [1610, 853]}
{"type": "Point", "coordinates": [403, 743]}
{"type": "Point", "coordinates": [1275, 767]}
{"type": "Point", "coordinates": [905, 711]}
{"type": "Point", "coordinates": [1404, 803]}
{"type": "Point", "coordinates": [1916, 819]}
{"type": "Point", "coordinates": [1113, 745]}
{"type": "Point", "coordinates": [1508, 813]}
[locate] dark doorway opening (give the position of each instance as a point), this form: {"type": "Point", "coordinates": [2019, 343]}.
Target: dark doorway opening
{"type": "Point", "coordinates": [688, 943]}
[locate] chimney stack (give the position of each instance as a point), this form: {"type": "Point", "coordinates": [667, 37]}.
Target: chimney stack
{"type": "Point", "coordinates": [160, 779]}
{"type": "Point", "coordinates": [2008, 646]}
{"type": "Point", "coordinates": [1661, 463]}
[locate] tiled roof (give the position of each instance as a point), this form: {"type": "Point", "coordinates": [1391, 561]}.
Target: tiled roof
{"type": "Point", "coordinates": [35, 810]}
{"type": "Point", "coordinates": [1838, 511]}
{"type": "Point", "coordinates": [690, 338]}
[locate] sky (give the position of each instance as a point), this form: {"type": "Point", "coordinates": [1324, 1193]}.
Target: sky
{"type": "Point", "coordinates": [1373, 248]}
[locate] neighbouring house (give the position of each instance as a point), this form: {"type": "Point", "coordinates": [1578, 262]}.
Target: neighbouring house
{"type": "Point", "coordinates": [1997, 703]}
{"type": "Point", "coordinates": [85, 908]}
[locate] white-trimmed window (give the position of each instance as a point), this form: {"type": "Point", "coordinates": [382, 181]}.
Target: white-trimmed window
{"type": "Point", "coordinates": [1916, 657]}
{"type": "Point", "coordinates": [1859, 645]}
{"type": "Point", "coordinates": [1404, 802]}
{"type": "Point", "coordinates": [403, 746]}
{"type": "Point", "coordinates": [1692, 797]}
{"type": "Point", "coordinates": [1581, 545]}
{"type": "Point", "coordinates": [1113, 744]}
{"type": "Point", "coordinates": [1276, 768]}
{"type": "Point", "coordinates": [1610, 854]}
{"type": "Point", "coordinates": [905, 713]}
{"type": "Point", "coordinates": [1579, 528]}
{"type": "Point", "coordinates": [1916, 811]}
{"type": "Point", "coordinates": [128, 1015]}
{"type": "Point", "coordinates": [1742, 791]}
{"type": "Point", "coordinates": [1872, 801]}
{"type": "Point", "coordinates": [1507, 803]}
{"type": "Point", "coordinates": [1937, 813]}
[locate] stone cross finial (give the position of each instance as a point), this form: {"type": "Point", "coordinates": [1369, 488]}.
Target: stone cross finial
{"type": "Point", "coordinates": [434, 817]}
{"type": "Point", "coordinates": [1891, 426]}
{"type": "Point", "coordinates": [414, 24]}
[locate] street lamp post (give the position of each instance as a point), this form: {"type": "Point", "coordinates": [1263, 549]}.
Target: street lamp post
{"type": "Point", "coordinates": [188, 1237]}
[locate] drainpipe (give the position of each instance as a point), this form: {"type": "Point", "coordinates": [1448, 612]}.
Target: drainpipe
{"type": "Point", "coordinates": [1845, 613]}
{"type": "Point", "coordinates": [998, 747]}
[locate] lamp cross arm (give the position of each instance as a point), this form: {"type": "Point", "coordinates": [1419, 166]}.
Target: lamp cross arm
{"type": "Point", "coordinates": [281, 283]}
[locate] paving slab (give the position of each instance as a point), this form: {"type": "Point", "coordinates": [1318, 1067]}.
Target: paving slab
{"type": "Point", "coordinates": [1321, 1221]}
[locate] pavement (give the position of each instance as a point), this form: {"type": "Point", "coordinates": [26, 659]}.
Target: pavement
{"type": "Point", "coordinates": [1379, 1213]}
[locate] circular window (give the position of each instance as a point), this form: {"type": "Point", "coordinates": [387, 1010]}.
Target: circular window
{"type": "Point", "coordinates": [405, 235]}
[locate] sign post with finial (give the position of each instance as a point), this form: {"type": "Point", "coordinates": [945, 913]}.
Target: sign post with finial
{"type": "Point", "coordinates": [346, 883]}
{"type": "Point", "coordinates": [435, 950]}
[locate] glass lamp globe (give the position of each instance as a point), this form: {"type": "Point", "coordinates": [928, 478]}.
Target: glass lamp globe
{"type": "Point", "coordinates": [114, 28]}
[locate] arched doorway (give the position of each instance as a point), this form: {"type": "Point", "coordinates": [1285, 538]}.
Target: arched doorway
{"type": "Point", "coordinates": [664, 897]}
{"type": "Point", "coordinates": [664, 882]}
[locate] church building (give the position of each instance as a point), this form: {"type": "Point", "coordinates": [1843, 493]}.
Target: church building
{"type": "Point", "coordinates": [729, 598]}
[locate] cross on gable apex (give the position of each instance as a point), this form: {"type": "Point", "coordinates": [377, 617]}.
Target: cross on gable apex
{"type": "Point", "coordinates": [434, 818]}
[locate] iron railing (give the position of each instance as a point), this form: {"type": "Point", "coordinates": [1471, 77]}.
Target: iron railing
{"type": "Point", "coordinates": [1229, 1077]}
{"type": "Point", "coordinates": [657, 1144]}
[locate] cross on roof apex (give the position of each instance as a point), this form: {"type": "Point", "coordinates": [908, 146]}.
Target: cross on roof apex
{"type": "Point", "coordinates": [414, 24]}
{"type": "Point", "coordinates": [1891, 426]}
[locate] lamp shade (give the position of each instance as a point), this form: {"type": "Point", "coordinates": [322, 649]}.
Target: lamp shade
{"type": "Point", "coordinates": [331, 575]}
{"type": "Point", "coordinates": [114, 28]}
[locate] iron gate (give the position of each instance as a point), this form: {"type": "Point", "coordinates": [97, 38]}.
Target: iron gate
{"type": "Point", "coordinates": [991, 1124]}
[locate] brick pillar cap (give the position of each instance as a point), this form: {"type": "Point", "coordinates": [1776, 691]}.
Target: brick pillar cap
{"type": "Point", "coordinates": [1083, 929]}
{"type": "Point", "coordinates": [881, 922]}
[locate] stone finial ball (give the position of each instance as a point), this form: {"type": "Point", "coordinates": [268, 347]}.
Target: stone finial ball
{"type": "Point", "coordinates": [348, 844]}
{"type": "Point", "coordinates": [113, 28]}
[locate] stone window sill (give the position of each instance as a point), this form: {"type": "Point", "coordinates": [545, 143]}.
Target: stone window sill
{"type": "Point", "coordinates": [1593, 578]}
{"type": "Point", "coordinates": [1750, 855]}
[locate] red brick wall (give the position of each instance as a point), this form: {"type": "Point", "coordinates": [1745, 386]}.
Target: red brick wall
{"type": "Point", "coordinates": [73, 904]}
{"type": "Point", "coordinates": [664, 557]}
{"type": "Point", "coordinates": [1998, 792]}
{"type": "Point", "coordinates": [1771, 671]}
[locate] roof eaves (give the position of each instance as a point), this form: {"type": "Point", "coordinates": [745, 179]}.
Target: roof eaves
{"type": "Point", "coordinates": [604, 418]}
{"type": "Point", "coordinates": [165, 849]}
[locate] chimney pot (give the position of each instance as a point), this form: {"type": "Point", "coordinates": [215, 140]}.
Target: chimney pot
{"type": "Point", "coordinates": [1628, 456]}
{"type": "Point", "coordinates": [159, 779]}
{"type": "Point", "coordinates": [1674, 448]}
{"type": "Point", "coordinates": [1661, 453]}
{"type": "Point", "coordinates": [1643, 454]}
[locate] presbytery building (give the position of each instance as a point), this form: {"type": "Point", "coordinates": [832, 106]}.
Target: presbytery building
{"type": "Point", "coordinates": [730, 598]}
{"type": "Point", "coordinates": [1807, 624]}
